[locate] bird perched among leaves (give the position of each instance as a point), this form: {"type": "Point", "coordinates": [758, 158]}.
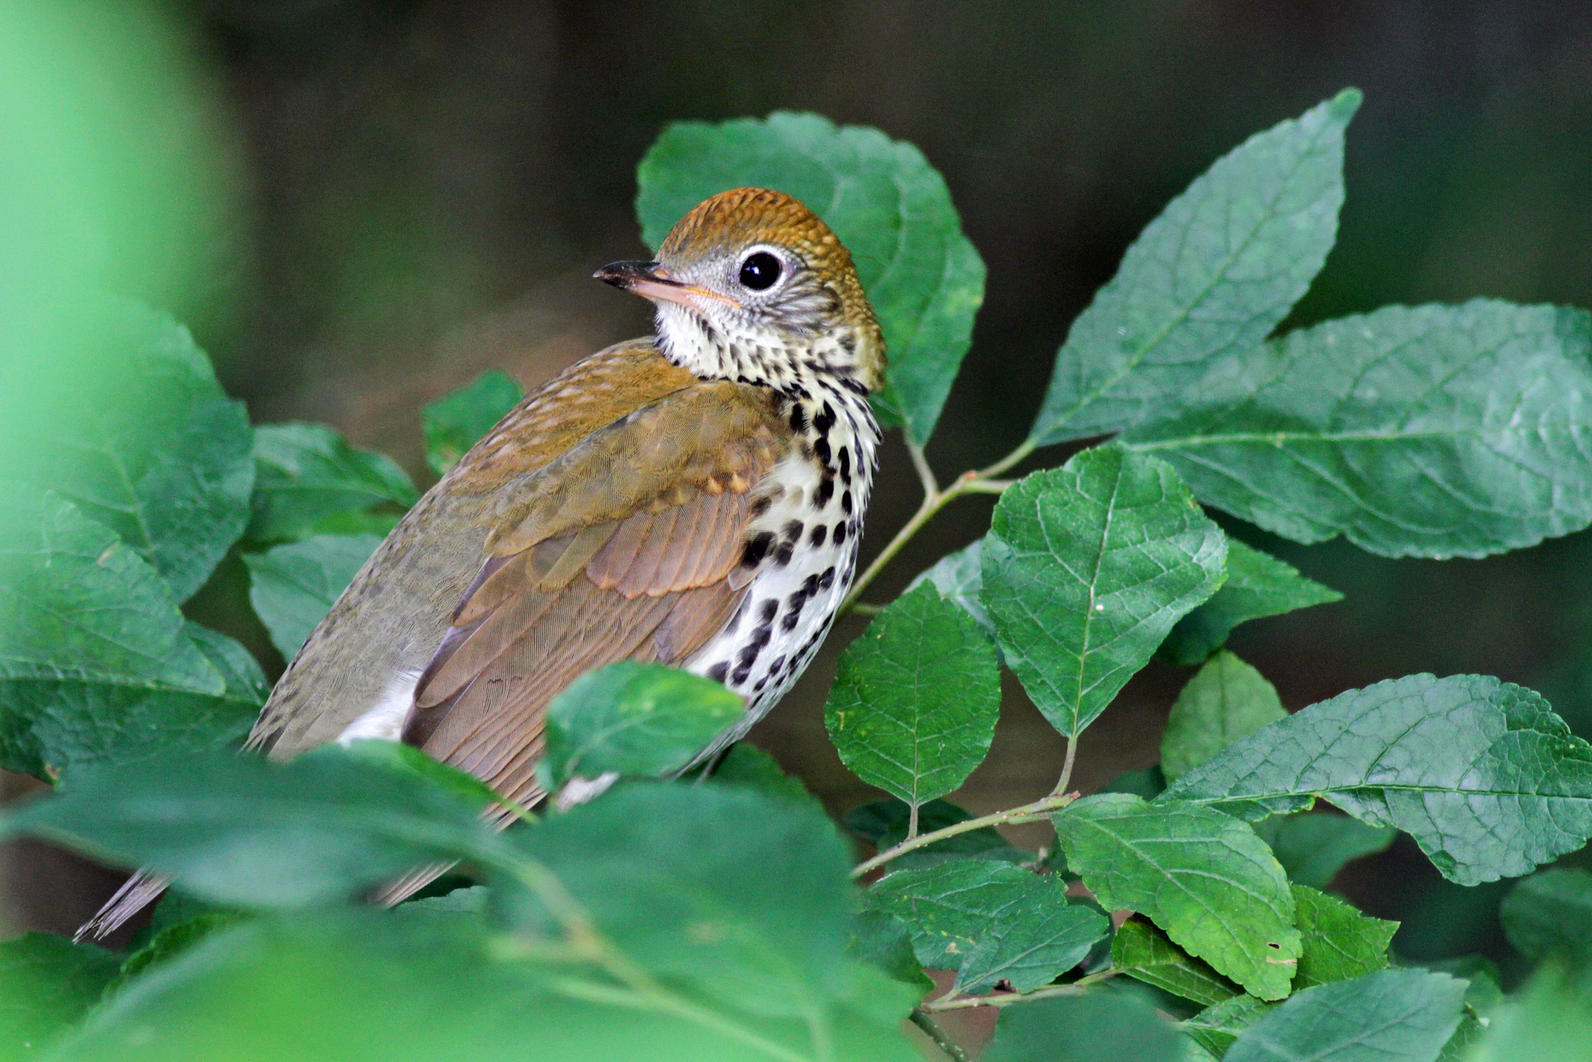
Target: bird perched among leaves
{"type": "Point", "coordinates": [693, 498]}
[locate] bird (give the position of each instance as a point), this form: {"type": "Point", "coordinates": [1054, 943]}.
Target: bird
{"type": "Point", "coordinates": [694, 497]}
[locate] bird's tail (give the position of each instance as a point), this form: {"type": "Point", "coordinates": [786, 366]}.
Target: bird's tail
{"type": "Point", "coordinates": [136, 893]}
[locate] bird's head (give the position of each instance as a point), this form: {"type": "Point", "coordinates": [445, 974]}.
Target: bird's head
{"type": "Point", "coordinates": [752, 286]}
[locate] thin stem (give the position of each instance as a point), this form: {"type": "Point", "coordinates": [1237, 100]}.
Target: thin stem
{"type": "Point", "coordinates": [941, 1038]}
{"type": "Point", "coordinates": [1066, 765]}
{"type": "Point", "coordinates": [1026, 813]}
{"type": "Point", "coordinates": [920, 462]}
{"type": "Point", "coordinates": [1024, 448]}
{"type": "Point", "coordinates": [1007, 999]}
{"type": "Point", "coordinates": [935, 498]}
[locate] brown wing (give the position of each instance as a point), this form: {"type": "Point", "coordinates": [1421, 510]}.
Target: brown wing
{"type": "Point", "coordinates": [622, 549]}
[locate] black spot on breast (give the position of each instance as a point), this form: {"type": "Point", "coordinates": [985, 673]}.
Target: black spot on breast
{"type": "Point", "coordinates": [757, 549]}
{"type": "Point", "coordinates": [840, 532]}
{"type": "Point", "coordinates": [798, 418]}
{"type": "Point", "coordinates": [825, 419]}
{"type": "Point", "coordinates": [825, 491]}
{"type": "Point", "coordinates": [718, 671]}
{"type": "Point", "coordinates": [821, 448]}
{"type": "Point", "coordinates": [845, 501]}
{"type": "Point", "coordinates": [792, 530]}
{"type": "Point", "coordinates": [775, 664]}
{"type": "Point", "coordinates": [826, 580]}
{"type": "Point", "coordinates": [769, 610]}
{"type": "Point", "coordinates": [741, 674]}
{"type": "Point", "coordinates": [848, 342]}
{"type": "Point", "coordinates": [819, 535]}
{"type": "Point", "coordinates": [784, 553]}
{"type": "Point", "coordinates": [759, 506]}
{"type": "Point", "coordinates": [844, 457]}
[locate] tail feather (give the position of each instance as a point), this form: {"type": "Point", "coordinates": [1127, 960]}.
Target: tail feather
{"type": "Point", "coordinates": [136, 893]}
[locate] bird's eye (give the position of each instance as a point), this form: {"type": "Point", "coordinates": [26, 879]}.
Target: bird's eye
{"type": "Point", "coordinates": [760, 271]}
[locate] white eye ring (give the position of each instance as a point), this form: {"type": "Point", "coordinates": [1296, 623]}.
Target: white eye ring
{"type": "Point", "coordinates": [761, 270]}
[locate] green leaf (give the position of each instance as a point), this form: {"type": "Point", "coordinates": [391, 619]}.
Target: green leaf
{"type": "Point", "coordinates": [96, 661]}
{"type": "Point", "coordinates": [1339, 941]}
{"type": "Point", "coordinates": [146, 444]}
{"type": "Point", "coordinates": [884, 823]}
{"type": "Point", "coordinates": [360, 986]}
{"type": "Point", "coordinates": [749, 767]}
{"type": "Point", "coordinates": [1032, 945]}
{"type": "Point", "coordinates": [1085, 570]}
{"type": "Point", "coordinates": [1313, 847]}
{"type": "Point", "coordinates": [1206, 282]}
{"type": "Point", "coordinates": [236, 829]}
{"type": "Point", "coordinates": [1217, 1026]}
{"type": "Point", "coordinates": [914, 702]}
{"type": "Point", "coordinates": [172, 941]}
{"type": "Point", "coordinates": [1224, 701]}
{"type": "Point", "coordinates": [307, 474]}
{"type": "Point", "coordinates": [959, 578]}
{"type": "Point", "coordinates": [633, 719]}
{"type": "Point", "coordinates": [1145, 954]}
{"type": "Point", "coordinates": [1092, 1027]}
{"type": "Point", "coordinates": [1402, 1014]}
{"type": "Point", "coordinates": [883, 941]}
{"type": "Point", "coordinates": [992, 921]}
{"type": "Point", "coordinates": [1257, 585]}
{"type": "Point", "coordinates": [1550, 913]}
{"type": "Point", "coordinates": [292, 586]}
{"type": "Point", "coordinates": [453, 423]}
{"type": "Point", "coordinates": [1481, 773]}
{"type": "Point", "coordinates": [884, 201]}
{"type": "Point", "coordinates": [1202, 876]}
{"type": "Point", "coordinates": [744, 896]}
{"type": "Point", "coordinates": [1430, 431]}
{"type": "Point", "coordinates": [47, 984]}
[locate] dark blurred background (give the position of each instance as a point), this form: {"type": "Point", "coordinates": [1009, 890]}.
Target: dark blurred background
{"type": "Point", "coordinates": [418, 191]}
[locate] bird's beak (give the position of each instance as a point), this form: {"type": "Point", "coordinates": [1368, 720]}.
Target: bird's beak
{"type": "Point", "coordinates": [652, 281]}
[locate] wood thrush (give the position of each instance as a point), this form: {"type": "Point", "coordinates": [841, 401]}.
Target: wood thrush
{"type": "Point", "coordinates": [694, 498]}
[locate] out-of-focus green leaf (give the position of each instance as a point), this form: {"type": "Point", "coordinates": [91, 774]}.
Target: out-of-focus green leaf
{"type": "Point", "coordinates": [1202, 876]}
{"type": "Point", "coordinates": [307, 474]}
{"type": "Point", "coordinates": [96, 661]}
{"type": "Point", "coordinates": [236, 829]}
{"type": "Point", "coordinates": [292, 586]}
{"type": "Point", "coordinates": [357, 986]}
{"type": "Point", "coordinates": [1145, 954]}
{"type": "Point", "coordinates": [1086, 568]}
{"type": "Point", "coordinates": [1093, 1027]}
{"type": "Point", "coordinates": [1481, 773]}
{"type": "Point", "coordinates": [1339, 941]}
{"type": "Point", "coordinates": [1205, 283]}
{"type": "Point", "coordinates": [1257, 585]}
{"type": "Point", "coordinates": [47, 983]}
{"type": "Point", "coordinates": [146, 444]}
{"type": "Point", "coordinates": [885, 202]}
{"type": "Point", "coordinates": [1428, 431]}
{"type": "Point", "coordinates": [1550, 913]}
{"type": "Point", "coordinates": [914, 702]}
{"type": "Point", "coordinates": [743, 897]}
{"type": "Point", "coordinates": [453, 423]}
{"type": "Point", "coordinates": [1549, 1021]}
{"type": "Point", "coordinates": [1402, 1014]}
{"type": "Point", "coordinates": [633, 719]}
{"type": "Point", "coordinates": [1224, 701]}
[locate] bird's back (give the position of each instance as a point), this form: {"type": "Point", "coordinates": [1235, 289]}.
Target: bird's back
{"type": "Point", "coordinates": [361, 661]}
